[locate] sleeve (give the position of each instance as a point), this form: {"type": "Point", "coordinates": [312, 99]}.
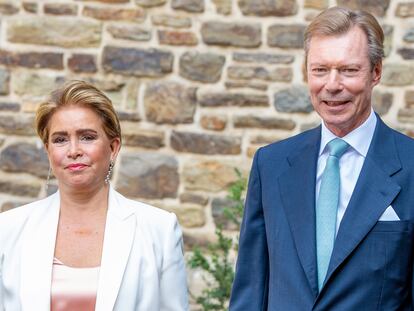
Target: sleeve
{"type": "Point", "coordinates": [173, 283]}
{"type": "Point", "coordinates": [250, 287]}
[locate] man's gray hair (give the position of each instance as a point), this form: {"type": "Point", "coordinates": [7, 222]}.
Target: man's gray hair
{"type": "Point", "coordinates": [337, 21]}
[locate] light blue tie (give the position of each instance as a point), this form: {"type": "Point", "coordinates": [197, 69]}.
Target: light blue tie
{"type": "Point", "coordinates": [327, 206]}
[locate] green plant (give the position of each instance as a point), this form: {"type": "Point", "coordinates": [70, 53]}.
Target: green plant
{"type": "Point", "coordinates": [217, 263]}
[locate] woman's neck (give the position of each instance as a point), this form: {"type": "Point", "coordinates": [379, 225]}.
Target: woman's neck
{"type": "Point", "coordinates": [81, 202]}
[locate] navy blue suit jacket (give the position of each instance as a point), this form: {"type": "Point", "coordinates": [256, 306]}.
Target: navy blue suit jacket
{"type": "Point", "coordinates": [371, 267]}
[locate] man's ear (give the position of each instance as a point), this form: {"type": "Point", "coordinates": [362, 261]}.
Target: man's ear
{"type": "Point", "coordinates": [376, 74]}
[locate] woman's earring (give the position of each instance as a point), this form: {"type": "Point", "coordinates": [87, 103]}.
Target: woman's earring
{"type": "Point", "coordinates": [108, 175]}
{"type": "Point", "coordinates": [48, 178]}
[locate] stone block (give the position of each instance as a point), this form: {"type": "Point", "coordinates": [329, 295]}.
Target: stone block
{"type": "Point", "coordinates": [32, 84]}
{"type": "Point", "coordinates": [205, 144]}
{"type": "Point", "coordinates": [174, 21]}
{"type": "Point", "coordinates": [136, 15]}
{"type": "Point", "coordinates": [269, 7]}
{"type": "Point", "coordinates": [245, 84]}
{"type": "Point", "coordinates": [213, 122]}
{"type": "Point", "coordinates": [67, 33]}
{"type": "Point", "coordinates": [194, 198]}
{"type": "Point", "coordinates": [388, 38]}
{"type": "Point", "coordinates": [293, 99]}
{"type": "Point", "coordinates": [8, 8]}
{"type": "Point", "coordinates": [218, 206]}
{"type": "Point", "coordinates": [202, 67]}
{"type": "Point", "coordinates": [286, 36]}
{"type": "Point", "coordinates": [173, 37]}
{"type": "Point", "coordinates": [132, 91]}
{"type": "Point", "coordinates": [33, 60]}
{"type": "Point", "coordinates": [395, 74]}
{"type": "Point", "coordinates": [30, 7]}
{"type": "Point", "coordinates": [143, 138]}
{"type": "Point", "coordinates": [6, 206]}
{"type": "Point", "coordinates": [409, 98]}
{"type": "Point", "coordinates": [192, 6]}
{"type": "Point", "coordinates": [316, 4]}
{"type": "Point", "coordinates": [231, 34]}
{"type": "Point", "coordinates": [148, 175]}
{"type": "Point", "coordinates": [376, 7]}
{"type": "Point", "coordinates": [15, 125]}
{"type": "Point", "coordinates": [409, 35]}
{"type": "Point", "coordinates": [4, 81]}
{"type": "Point", "coordinates": [224, 99]}
{"type": "Point", "coordinates": [60, 9]}
{"type": "Point", "coordinates": [280, 74]}
{"type": "Point", "coordinates": [266, 58]}
{"type": "Point", "coordinates": [406, 53]}
{"type": "Point", "coordinates": [250, 121]}
{"type": "Point", "coordinates": [264, 139]}
{"type": "Point", "coordinates": [137, 62]}
{"type": "Point", "coordinates": [150, 3]}
{"type": "Point", "coordinates": [9, 106]}
{"type": "Point", "coordinates": [223, 6]}
{"type": "Point", "coordinates": [128, 116]}
{"type": "Point", "coordinates": [382, 102]}
{"type": "Point", "coordinates": [405, 9]}
{"type": "Point", "coordinates": [406, 115]}
{"type": "Point", "coordinates": [19, 188]}
{"type": "Point", "coordinates": [107, 1]}
{"type": "Point", "coordinates": [106, 84]}
{"type": "Point", "coordinates": [169, 102]}
{"type": "Point", "coordinates": [210, 175]}
{"type": "Point", "coordinates": [20, 157]}
{"type": "Point", "coordinates": [129, 32]}
{"type": "Point", "coordinates": [189, 216]}
{"type": "Point", "coordinates": [82, 63]}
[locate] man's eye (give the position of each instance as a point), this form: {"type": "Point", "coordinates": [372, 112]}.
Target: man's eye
{"type": "Point", "coordinates": [349, 70]}
{"type": "Point", "coordinates": [319, 70]}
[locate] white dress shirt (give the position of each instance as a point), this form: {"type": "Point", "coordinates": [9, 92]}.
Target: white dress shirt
{"type": "Point", "coordinates": [350, 163]}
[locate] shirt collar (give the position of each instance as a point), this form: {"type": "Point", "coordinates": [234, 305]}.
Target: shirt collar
{"type": "Point", "coordinates": [359, 139]}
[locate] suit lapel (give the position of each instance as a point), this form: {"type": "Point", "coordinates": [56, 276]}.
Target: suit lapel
{"type": "Point", "coordinates": [118, 240]}
{"type": "Point", "coordinates": [297, 188]}
{"type": "Point", "coordinates": [373, 193]}
{"type": "Point", "coordinates": [37, 255]}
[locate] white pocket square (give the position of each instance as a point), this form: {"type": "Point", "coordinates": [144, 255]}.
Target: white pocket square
{"type": "Point", "coordinates": [389, 215]}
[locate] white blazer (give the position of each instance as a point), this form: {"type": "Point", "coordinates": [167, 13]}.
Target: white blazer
{"type": "Point", "coordinates": [142, 265]}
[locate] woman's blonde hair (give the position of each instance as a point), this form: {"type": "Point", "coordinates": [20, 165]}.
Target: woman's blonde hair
{"type": "Point", "coordinates": [80, 93]}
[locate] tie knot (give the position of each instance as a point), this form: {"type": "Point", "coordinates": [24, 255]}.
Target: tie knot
{"type": "Point", "coordinates": [337, 147]}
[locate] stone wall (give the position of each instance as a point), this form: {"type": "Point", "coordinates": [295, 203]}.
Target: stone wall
{"type": "Point", "coordinates": [199, 85]}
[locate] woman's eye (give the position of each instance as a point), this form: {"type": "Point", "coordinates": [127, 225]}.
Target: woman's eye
{"type": "Point", "coordinates": [59, 140]}
{"type": "Point", "coordinates": [87, 137]}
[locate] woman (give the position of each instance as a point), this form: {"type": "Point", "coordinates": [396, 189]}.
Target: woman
{"type": "Point", "coordinates": [87, 247]}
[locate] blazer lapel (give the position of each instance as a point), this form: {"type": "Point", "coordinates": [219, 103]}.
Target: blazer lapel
{"type": "Point", "coordinates": [118, 240]}
{"type": "Point", "coordinates": [297, 188]}
{"type": "Point", "coordinates": [37, 255]}
{"type": "Point", "coordinates": [374, 192]}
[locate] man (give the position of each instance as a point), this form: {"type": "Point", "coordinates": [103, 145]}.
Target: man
{"type": "Point", "coordinates": [329, 216]}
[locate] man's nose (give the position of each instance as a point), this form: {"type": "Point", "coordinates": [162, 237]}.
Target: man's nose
{"type": "Point", "coordinates": [334, 82]}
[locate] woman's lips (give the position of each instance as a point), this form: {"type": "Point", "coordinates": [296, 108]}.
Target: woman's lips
{"type": "Point", "coordinates": [76, 166]}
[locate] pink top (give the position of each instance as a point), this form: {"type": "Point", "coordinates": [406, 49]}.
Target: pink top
{"type": "Point", "coordinates": [73, 288]}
